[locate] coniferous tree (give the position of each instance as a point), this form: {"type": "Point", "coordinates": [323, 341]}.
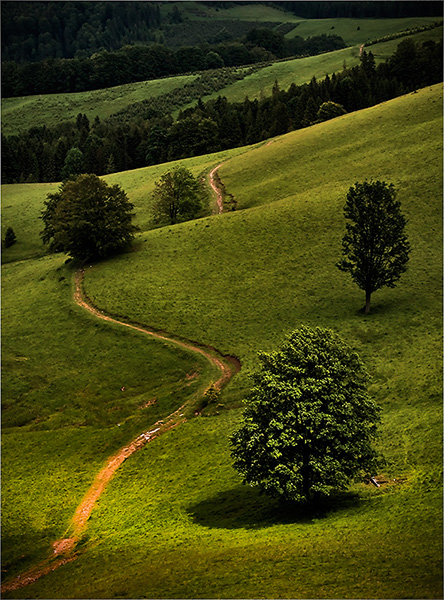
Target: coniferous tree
{"type": "Point", "coordinates": [10, 237]}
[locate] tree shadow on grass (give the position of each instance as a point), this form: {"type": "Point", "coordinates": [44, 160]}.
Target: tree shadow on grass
{"type": "Point", "coordinates": [244, 507]}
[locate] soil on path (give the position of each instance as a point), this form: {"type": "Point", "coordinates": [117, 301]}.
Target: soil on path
{"type": "Point", "coordinates": [219, 198]}
{"type": "Point", "coordinates": [64, 550]}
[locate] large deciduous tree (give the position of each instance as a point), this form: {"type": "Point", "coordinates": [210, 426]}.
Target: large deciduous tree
{"type": "Point", "coordinates": [375, 247]}
{"type": "Point", "coordinates": [178, 196]}
{"type": "Point", "coordinates": [88, 219]}
{"type": "Point", "coordinates": [309, 422]}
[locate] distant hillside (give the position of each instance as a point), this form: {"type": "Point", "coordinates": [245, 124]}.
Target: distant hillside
{"type": "Point", "coordinates": [145, 132]}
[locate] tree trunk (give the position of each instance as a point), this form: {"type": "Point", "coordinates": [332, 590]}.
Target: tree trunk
{"type": "Point", "coordinates": [367, 302]}
{"type": "Point", "coordinates": [306, 476]}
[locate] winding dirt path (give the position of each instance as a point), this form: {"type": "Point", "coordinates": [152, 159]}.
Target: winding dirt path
{"type": "Point", "coordinates": [64, 550]}
{"type": "Point", "coordinates": [219, 199]}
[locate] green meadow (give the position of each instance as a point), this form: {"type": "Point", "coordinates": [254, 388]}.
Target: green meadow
{"type": "Point", "coordinates": [175, 522]}
{"type": "Point", "coordinates": [63, 408]}
{"type": "Point", "coordinates": [23, 112]}
{"type": "Point", "coordinates": [358, 31]}
{"type": "Point", "coordinates": [301, 70]}
{"type": "Point", "coordinates": [19, 114]}
{"type": "Point", "coordinates": [195, 11]}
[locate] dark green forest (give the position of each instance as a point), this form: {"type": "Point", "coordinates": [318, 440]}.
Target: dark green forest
{"type": "Point", "coordinates": [146, 134]}
{"type": "Point", "coordinates": [58, 47]}
{"type": "Point", "coordinates": [144, 62]}
{"type": "Point", "coordinates": [34, 31]}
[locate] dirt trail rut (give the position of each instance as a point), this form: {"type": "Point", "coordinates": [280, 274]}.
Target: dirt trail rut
{"type": "Point", "coordinates": [219, 199]}
{"type": "Point", "coordinates": [64, 550]}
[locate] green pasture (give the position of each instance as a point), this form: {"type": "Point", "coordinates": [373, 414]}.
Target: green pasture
{"type": "Point", "coordinates": [19, 114]}
{"type": "Point", "coordinates": [23, 203]}
{"type": "Point", "coordinates": [175, 522]}
{"type": "Point", "coordinates": [358, 31]}
{"type": "Point", "coordinates": [63, 408]}
{"type": "Point", "coordinates": [301, 70]}
{"type": "Point", "coordinates": [179, 525]}
{"type": "Point", "coordinates": [257, 12]}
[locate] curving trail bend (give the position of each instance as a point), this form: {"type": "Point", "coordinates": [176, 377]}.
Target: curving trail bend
{"type": "Point", "coordinates": [219, 198]}
{"type": "Point", "coordinates": [64, 550]}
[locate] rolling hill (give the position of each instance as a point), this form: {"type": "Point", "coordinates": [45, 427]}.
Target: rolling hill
{"type": "Point", "coordinates": [175, 521]}
{"type": "Point", "coordinates": [21, 113]}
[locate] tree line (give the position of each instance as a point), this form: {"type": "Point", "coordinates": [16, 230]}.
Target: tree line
{"type": "Point", "coordinates": [117, 144]}
{"type": "Point", "coordinates": [36, 31]}
{"type": "Point", "coordinates": [143, 62]}
{"type": "Point", "coordinates": [33, 31]}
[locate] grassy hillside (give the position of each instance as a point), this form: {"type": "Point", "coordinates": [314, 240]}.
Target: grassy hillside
{"type": "Point", "coordinates": [301, 70]}
{"type": "Point", "coordinates": [196, 11]}
{"type": "Point", "coordinates": [21, 113]}
{"type": "Point", "coordinates": [175, 519]}
{"type": "Point", "coordinates": [22, 203]}
{"type": "Point", "coordinates": [63, 409]}
{"type": "Point", "coordinates": [358, 31]}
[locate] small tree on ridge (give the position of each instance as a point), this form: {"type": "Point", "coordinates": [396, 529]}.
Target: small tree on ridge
{"type": "Point", "coordinates": [10, 237]}
{"type": "Point", "coordinates": [178, 196]}
{"type": "Point", "coordinates": [375, 247]}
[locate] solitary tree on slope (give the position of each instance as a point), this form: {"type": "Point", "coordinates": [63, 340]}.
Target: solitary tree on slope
{"type": "Point", "coordinates": [375, 247]}
{"type": "Point", "coordinates": [309, 422]}
{"type": "Point", "coordinates": [178, 196]}
{"type": "Point", "coordinates": [88, 219]}
{"type": "Point", "coordinates": [10, 238]}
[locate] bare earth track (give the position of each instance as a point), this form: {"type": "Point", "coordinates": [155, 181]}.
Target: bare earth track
{"type": "Point", "coordinates": [64, 550]}
{"type": "Point", "coordinates": [219, 198]}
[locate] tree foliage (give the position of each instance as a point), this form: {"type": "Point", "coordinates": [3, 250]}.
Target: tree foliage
{"type": "Point", "coordinates": [74, 164]}
{"type": "Point", "coordinates": [88, 219]}
{"type": "Point", "coordinates": [178, 196]}
{"type": "Point", "coordinates": [309, 422]}
{"type": "Point", "coordinates": [10, 237]}
{"type": "Point", "coordinates": [330, 110]}
{"type": "Point", "coordinates": [375, 247]}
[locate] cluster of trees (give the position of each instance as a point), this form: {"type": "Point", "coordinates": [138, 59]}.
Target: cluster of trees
{"type": "Point", "coordinates": [132, 138]}
{"type": "Point", "coordinates": [33, 31]}
{"type": "Point", "coordinates": [91, 220]}
{"type": "Point", "coordinates": [149, 138]}
{"type": "Point", "coordinates": [143, 62]}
